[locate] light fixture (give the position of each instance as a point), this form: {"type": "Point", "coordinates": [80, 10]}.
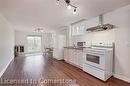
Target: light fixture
{"type": "Point", "coordinates": [69, 6]}
{"type": "Point", "coordinates": [57, 2]}
{"type": "Point", "coordinates": [39, 30]}
{"type": "Point", "coordinates": [74, 12]}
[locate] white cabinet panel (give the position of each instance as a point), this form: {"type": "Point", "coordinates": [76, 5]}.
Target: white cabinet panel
{"type": "Point", "coordinates": [78, 28]}
{"type": "Point", "coordinates": [74, 57]}
{"type": "Point", "coordinates": [80, 58]}
{"type": "Point", "coordinates": [66, 54]}
{"type": "Point", "coordinates": [70, 55]}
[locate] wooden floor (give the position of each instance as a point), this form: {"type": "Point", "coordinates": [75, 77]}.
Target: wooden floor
{"type": "Point", "coordinates": [25, 71]}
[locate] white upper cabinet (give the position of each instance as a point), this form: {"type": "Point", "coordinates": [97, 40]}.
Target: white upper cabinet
{"type": "Point", "coordinates": [78, 28]}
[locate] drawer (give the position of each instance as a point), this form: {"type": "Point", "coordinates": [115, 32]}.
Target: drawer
{"type": "Point", "coordinates": [94, 71]}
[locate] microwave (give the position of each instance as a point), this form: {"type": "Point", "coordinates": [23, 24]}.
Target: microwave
{"type": "Point", "coordinates": [81, 44]}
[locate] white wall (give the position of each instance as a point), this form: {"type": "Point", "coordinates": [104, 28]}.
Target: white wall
{"type": "Point", "coordinates": [121, 18]}
{"type": "Point", "coordinates": [21, 39]}
{"type": "Point", "coordinates": [120, 35]}
{"type": "Point", "coordinates": [6, 43]}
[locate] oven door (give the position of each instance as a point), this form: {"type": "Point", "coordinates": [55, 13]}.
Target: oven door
{"type": "Point", "coordinates": [95, 59]}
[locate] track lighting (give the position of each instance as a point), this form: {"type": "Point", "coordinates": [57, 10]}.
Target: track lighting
{"type": "Point", "coordinates": [57, 2]}
{"type": "Point", "coordinates": [74, 12]}
{"type": "Point", "coordinates": [69, 6]}
{"type": "Point", "coordinates": [39, 30]}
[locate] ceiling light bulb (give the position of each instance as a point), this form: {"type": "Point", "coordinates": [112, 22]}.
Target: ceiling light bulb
{"type": "Point", "coordinates": [74, 12]}
{"type": "Point", "coordinates": [57, 2]}
{"type": "Point", "coordinates": [68, 7]}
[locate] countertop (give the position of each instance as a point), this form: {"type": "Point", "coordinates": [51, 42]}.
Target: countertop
{"type": "Point", "coordinates": [72, 47]}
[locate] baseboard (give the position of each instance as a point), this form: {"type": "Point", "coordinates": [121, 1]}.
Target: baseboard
{"type": "Point", "coordinates": [2, 72]}
{"type": "Point", "coordinates": [122, 77]}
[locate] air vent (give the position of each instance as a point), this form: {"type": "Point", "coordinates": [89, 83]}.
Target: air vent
{"type": "Point", "coordinates": [101, 26]}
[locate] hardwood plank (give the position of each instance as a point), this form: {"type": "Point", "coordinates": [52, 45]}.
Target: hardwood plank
{"type": "Point", "coordinates": [43, 67]}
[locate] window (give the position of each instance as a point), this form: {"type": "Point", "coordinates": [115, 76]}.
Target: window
{"type": "Point", "coordinates": [34, 44]}
{"type": "Point", "coordinates": [78, 28]}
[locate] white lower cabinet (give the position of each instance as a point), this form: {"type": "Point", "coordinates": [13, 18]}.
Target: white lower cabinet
{"type": "Point", "coordinates": [74, 56]}
{"type": "Point", "coordinates": [80, 58]}
{"type": "Point", "coordinates": [66, 54]}
{"type": "Point", "coordinates": [71, 59]}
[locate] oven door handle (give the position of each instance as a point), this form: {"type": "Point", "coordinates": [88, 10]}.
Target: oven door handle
{"type": "Point", "coordinates": [92, 53]}
{"type": "Point", "coordinates": [95, 51]}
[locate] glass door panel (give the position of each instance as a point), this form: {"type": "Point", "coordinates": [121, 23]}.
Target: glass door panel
{"type": "Point", "coordinates": [34, 44]}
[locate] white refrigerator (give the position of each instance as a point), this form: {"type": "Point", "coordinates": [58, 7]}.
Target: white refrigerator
{"type": "Point", "coordinates": [59, 44]}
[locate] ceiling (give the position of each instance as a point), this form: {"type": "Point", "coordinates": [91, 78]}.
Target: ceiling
{"type": "Point", "coordinates": [31, 14]}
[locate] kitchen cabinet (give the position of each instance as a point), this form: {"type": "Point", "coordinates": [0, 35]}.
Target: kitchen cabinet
{"type": "Point", "coordinates": [74, 57]}
{"type": "Point", "coordinates": [80, 58]}
{"type": "Point", "coordinates": [66, 54]}
{"type": "Point", "coordinates": [70, 59]}
{"type": "Point", "coordinates": [78, 28]}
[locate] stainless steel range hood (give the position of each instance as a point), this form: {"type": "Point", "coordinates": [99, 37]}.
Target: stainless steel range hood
{"type": "Point", "coordinates": [101, 26]}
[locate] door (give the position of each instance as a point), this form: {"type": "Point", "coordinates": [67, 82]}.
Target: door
{"type": "Point", "coordinates": [34, 44]}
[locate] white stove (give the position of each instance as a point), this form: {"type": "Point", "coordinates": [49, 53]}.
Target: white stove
{"type": "Point", "coordinates": [98, 60]}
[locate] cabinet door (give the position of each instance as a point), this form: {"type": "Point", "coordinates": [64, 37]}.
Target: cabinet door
{"type": "Point", "coordinates": [66, 54]}
{"type": "Point", "coordinates": [74, 57]}
{"type": "Point", "coordinates": [70, 58]}
{"type": "Point", "coordinates": [80, 58]}
{"type": "Point", "coordinates": [78, 28]}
